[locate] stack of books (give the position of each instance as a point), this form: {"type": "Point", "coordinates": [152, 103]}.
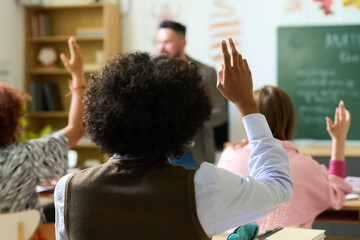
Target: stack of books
{"type": "Point", "coordinates": [90, 32]}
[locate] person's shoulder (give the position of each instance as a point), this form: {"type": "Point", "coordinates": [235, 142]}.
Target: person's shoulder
{"type": "Point", "coordinates": [201, 65]}
{"type": "Point", "coordinates": [90, 172]}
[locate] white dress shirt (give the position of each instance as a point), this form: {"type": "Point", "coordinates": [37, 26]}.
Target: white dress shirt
{"type": "Point", "coordinates": [223, 199]}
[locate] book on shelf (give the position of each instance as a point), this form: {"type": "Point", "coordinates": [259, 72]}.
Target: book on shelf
{"type": "Point", "coordinates": [52, 97]}
{"type": "Point", "coordinates": [297, 234]}
{"type": "Point", "coordinates": [90, 32]}
{"type": "Point", "coordinates": [40, 25]}
{"type": "Point", "coordinates": [36, 92]}
{"type": "Point", "coordinates": [45, 97]}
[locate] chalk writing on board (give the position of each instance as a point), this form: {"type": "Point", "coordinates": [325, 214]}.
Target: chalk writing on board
{"type": "Point", "coordinates": [342, 40]}
{"type": "Point", "coordinates": [313, 89]}
{"type": "Point", "coordinates": [318, 71]}
{"type": "Point", "coordinates": [347, 57]}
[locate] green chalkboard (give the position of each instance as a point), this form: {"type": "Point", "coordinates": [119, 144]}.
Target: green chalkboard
{"type": "Point", "coordinates": [317, 67]}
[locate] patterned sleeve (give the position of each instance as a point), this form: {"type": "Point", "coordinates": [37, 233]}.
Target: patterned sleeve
{"type": "Point", "coordinates": [47, 156]}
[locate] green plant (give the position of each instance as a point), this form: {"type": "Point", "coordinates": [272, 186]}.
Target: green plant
{"type": "Point", "coordinates": [47, 129]}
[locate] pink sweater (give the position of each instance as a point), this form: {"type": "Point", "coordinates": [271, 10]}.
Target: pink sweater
{"type": "Point", "coordinates": [315, 190]}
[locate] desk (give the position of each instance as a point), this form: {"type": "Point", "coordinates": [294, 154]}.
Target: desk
{"type": "Point", "coordinates": [349, 213]}
{"type": "Point", "coordinates": [46, 199]}
{"type": "Point", "coordinates": [325, 150]}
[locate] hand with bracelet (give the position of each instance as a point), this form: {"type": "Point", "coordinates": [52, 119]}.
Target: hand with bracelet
{"type": "Point", "coordinates": [75, 130]}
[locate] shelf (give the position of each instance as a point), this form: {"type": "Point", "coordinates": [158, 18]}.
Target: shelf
{"type": "Point", "coordinates": [47, 39]}
{"type": "Point", "coordinates": [57, 71]}
{"type": "Point", "coordinates": [85, 145]}
{"type": "Point", "coordinates": [71, 6]}
{"type": "Point", "coordinates": [48, 114]}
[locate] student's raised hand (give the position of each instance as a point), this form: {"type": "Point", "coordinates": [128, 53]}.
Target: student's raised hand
{"type": "Point", "coordinates": [340, 127]}
{"type": "Point", "coordinates": [235, 81]}
{"type": "Point", "coordinates": [75, 65]}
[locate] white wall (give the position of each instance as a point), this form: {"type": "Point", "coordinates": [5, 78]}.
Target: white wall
{"type": "Point", "coordinates": [256, 31]}
{"type": "Point", "coordinates": [12, 43]}
{"type": "Point", "coordinates": [256, 22]}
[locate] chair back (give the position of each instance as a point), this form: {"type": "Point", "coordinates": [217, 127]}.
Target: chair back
{"type": "Point", "coordinates": [19, 225]}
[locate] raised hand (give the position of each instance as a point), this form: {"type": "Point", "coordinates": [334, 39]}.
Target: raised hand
{"type": "Point", "coordinates": [75, 65]}
{"type": "Point", "coordinates": [340, 127]}
{"type": "Point", "coordinates": [235, 81]}
{"type": "Point", "coordinates": [338, 131]}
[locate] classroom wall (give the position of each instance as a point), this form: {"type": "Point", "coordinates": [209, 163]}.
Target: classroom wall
{"type": "Point", "coordinates": [252, 24]}
{"type": "Point", "coordinates": [11, 43]}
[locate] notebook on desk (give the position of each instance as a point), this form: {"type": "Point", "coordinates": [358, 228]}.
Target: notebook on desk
{"type": "Point", "coordinates": [298, 234]}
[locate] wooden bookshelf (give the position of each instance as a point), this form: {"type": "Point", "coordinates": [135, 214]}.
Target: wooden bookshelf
{"type": "Point", "coordinates": [57, 71]}
{"type": "Point", "coordinates": [65, 21]}
{"type": "Point", "coordinates": [49, 39]}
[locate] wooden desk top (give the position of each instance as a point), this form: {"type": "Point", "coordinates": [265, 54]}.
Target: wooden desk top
{"type": "Point", "coordinates": [352, 205]}
{"type": "Point", "coordinates": [325, 151]}
{"type": "Point", "coordinates": [46, 199]}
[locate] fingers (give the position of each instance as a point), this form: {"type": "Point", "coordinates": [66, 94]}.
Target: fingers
{"type": "Point", "coordinates": [226, 56]}
{"type": "Point", "coordinates": [347, 115]}
{"type": "Point", "coordinates": [234, 53]}
{"type": "Point", "coordinates": [71, 43]}
{"type": "Point", "coordinates": [236, 57]}
{"type": "Point", "coordinates": [74, 48]}
{"type": "Point", "coordinates": [65, 60]}
{"type": "Point", "coordinates": [221, 73]}
{"type": "Point", "coordinates": [336, 118]}
{"type": "Point", "coordinates": [220, 77]}
{"type": "Point", "coordinates": [246, 65]}
{"type": "Point", "coordinates": [329, 124]}
{"type": "Point", "coordinates": [341, 111]}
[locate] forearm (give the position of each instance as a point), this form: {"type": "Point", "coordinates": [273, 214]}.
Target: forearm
{"type": "Point", "coordinates": [268, 160]}
{"type": "Point", "coordinates": [337, 161]}
{"type": "Point", "coordinates": [75, 130]}
{"type": "Point", "coordinates": [338, 149]}
{"type": "Point", "coordinates": [246, 108]}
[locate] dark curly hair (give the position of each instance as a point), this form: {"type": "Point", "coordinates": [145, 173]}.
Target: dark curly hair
{"type": "Point", "coordinates": [12, 103]}
{"type": "Point", "coordinates": [143, 106]}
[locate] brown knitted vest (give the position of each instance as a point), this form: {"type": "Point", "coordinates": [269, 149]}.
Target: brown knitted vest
{"type": "Point", "coordinates": [132, 199]}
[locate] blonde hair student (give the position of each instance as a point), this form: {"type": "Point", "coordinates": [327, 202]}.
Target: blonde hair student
{"type": "Point", "coordinates": [315, 187]}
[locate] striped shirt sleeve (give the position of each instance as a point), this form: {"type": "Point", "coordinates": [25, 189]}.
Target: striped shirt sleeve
{"type": "Point", "coordinates": [48, 155]}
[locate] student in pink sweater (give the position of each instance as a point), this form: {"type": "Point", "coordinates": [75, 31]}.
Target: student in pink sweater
{"type": "Point", "coordinates": [315, 187]}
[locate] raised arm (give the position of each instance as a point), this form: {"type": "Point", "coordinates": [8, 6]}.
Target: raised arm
{"type": "Point", "coordinates": [338, 131]}
{"type": "Point", "coordinates": [75, 130]}
{"type": "Point", "coordinates": [238, 199]}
